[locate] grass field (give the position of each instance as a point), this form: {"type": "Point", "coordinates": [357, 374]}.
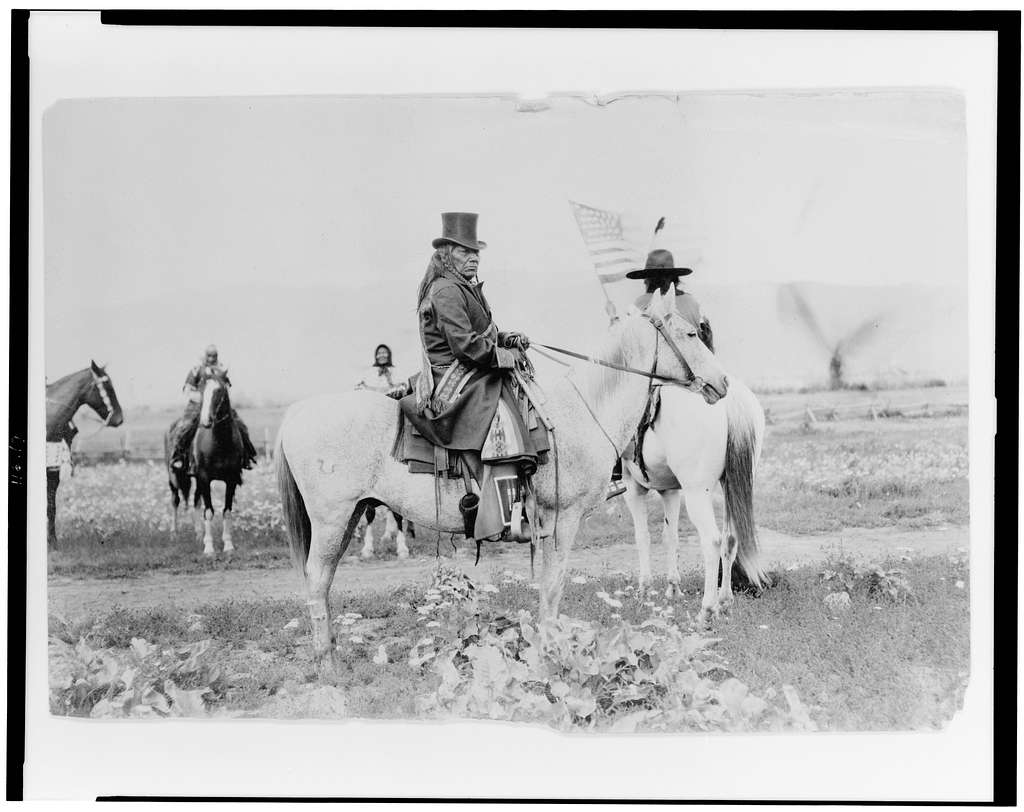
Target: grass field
{"type": "Point", "coordinates": [114, 520]}
{"type": "Point", "coordinates": [895, 657]}
{"type": "Point", "coordinates": [840, 645]}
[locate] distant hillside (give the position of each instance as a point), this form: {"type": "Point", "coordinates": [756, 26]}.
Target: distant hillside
{"type": "Point", "coordinates": [282, 344]}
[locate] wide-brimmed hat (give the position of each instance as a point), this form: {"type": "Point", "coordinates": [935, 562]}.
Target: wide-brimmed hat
{"type": "Point", "coordinates": [459, 227]}
{"type": "Point", "coordinates": [660, 265]}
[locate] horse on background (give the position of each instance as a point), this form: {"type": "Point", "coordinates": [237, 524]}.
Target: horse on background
{"type": "Point", "coordinates": [394, 526]}
{"type": "Point", "coordinates": [218, 452]}
{"type": "Point", "coordinates": [90, 387]}
{"type": "Point", "coordinates": [333, 457]}
{"type": "Point", "coordinates": [690, 448]}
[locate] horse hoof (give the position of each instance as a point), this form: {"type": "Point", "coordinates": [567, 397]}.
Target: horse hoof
{"type": "Point", "coordinates": [672, 591]}
{"type": "Point", "coordinates": [228, 552]}
{"type": "Point", "coordinates": [706, 616]}
{"type": "Point", "coordinates": [209, 554]}
{"type": "Point", "coordinates": [366, 556]}
{"type": "Point", "coordinates": [403, 553]}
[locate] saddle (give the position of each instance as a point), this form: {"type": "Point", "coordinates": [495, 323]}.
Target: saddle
{"type": "Point", "coordinates": [497, 512]}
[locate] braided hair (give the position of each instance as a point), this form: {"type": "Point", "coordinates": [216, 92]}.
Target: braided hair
{"type": "Point", "coordinates": [440, 262]}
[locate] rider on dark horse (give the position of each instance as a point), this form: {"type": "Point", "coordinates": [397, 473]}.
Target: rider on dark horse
{"type": "Point", "coordinates": [184, 430]}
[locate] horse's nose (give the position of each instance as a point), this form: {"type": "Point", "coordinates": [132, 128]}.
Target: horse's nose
{"type": "Point", "coordinates": [725, 381]}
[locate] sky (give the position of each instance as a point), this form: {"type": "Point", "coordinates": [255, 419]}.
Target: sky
{"type": "Point", "coordinates": [158, 201]}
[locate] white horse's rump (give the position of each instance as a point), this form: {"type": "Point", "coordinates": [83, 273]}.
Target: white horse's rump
{"type": "Point", "coordinates": [334, 457]}
{"type": "Point", "coordinates": [690, 449]}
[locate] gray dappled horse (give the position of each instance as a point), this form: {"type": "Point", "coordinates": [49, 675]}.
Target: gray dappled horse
{"type": "Point", "coordinates": [219, 454]}
{"type": "Point", "coordinates": [333, 457]}
{"type": "Point", "coordinates": [90, 387]}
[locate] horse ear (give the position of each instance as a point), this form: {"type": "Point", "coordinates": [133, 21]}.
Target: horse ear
{"type": "Point", "coordinates": [95, 367]}
{"type": "Point", "coordinates": [658, 306]}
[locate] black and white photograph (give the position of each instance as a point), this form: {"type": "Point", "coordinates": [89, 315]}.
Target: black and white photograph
{"type": "Point", "coordinates": [590, 414]}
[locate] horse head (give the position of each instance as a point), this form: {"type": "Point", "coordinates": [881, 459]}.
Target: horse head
{"type": "Point", "coordinates": [688, 357]}
{"type": "Point", "coordinates": [216, 401]}
{"type": "Point", "coordinates": [102, 398]}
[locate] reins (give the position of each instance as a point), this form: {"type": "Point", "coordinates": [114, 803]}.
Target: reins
{"type": "Point", "coordinates": [694, 383]}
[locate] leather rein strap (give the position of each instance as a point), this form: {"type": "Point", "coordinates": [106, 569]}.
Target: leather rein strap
{"type": "Point", "coordinates": [694, 382]}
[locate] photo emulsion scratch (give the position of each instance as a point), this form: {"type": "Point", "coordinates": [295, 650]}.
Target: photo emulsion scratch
{"type": "Point", "coordinates": [355, 406]}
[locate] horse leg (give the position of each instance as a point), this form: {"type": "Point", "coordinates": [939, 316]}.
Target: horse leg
{"type": "Point", "coordinates": [229, 496]}
{"type": "Point", "coordinates": [197, 514]}
{"type": "Point", "coordinates": [635, 501]}
{"type": "Point", "coordinates": [702, 513]}
{"type": "Point", "coordinates": [203, 494]}
{"type": "Point", "coordinates": [394, 527]}
{"type": "Point", "coordinates": [326, 546]}
{"type": "Point", "coordinates": [555, 562]}
{"type": "Point", "coordinates": [175, 502]}
{"type": "Point", "coordinates": [52, 481]}
{"type": "Point", "coordinates": [367, 551]}
{"type": "Point", "coordinates": [671, 502]}
{"type": "Point", "coordinates": [729, 550]}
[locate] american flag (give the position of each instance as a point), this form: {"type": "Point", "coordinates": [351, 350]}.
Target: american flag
{"type": "Point", "coordinates": [602, 233]}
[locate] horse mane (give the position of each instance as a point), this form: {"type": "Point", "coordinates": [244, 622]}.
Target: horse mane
{"type": "Point", "coordinates": [66, 378]}
{"type": "Point", "coordinates": [601, 381]}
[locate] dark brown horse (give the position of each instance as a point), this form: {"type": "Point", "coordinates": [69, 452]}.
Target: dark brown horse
{"type": "Point", "coordinates": [218, 453]}
{"type": "Point", "coordinates": [90, 387]}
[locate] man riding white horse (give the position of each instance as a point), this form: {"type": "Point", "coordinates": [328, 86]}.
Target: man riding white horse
{"type": "Point", "coordinates": [660, 274]}
{"type": "Point", "coordinates": [469, 366]}
{"type": "Point", "coordinates": [185, 429]}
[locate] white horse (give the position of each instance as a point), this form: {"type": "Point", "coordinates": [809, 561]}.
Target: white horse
{"type": "Point", "coordinates": [688, 451]}
{"type": "Point", "coordinates": [392, 529]}
{"type": "Point", "coordinates": [334, 457]}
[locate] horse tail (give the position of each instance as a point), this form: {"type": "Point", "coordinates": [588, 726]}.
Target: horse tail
{"type": "Point", "coordinates": [742, 452]}
{"type": "Point", "coordinates": [296, 519]}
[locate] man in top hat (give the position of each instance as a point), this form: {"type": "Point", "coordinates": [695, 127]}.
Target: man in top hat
{"type": "Point", "coordinates": [185, 429]}
{"type": "Point", "coordinates": [466, 358]}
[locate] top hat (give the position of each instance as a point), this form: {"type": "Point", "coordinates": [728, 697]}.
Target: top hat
{"type": "Point", "coordinates": [459, 227]}
{"type": "Point", "coordinates": [660, 265]}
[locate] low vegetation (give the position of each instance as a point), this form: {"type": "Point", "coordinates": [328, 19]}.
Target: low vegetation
{"type": "Point", "coordinates": [892, 654]}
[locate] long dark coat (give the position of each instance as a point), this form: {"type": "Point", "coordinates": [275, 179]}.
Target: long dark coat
{"type": "Point", "coordinates": [456, 325]}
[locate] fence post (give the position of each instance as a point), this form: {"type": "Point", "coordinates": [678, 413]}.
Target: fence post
{"type": "Point", "coordinates": [873, 411]}
{"type": "Point", "coordinates": [266, 443]}
{"type": "Point", "coordinates": [768, 419]}
{"type": "Point", "coordinates": [126, 443]}
{"type": "Point", "coordinates": [809, 418]}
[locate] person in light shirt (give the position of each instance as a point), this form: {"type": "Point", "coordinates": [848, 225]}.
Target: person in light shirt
{"type": "Point", "coordinates": [383, 377]}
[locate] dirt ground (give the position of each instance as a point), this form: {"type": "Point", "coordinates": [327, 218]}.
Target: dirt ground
{"type": "Point", "coordinates": [74, 598]}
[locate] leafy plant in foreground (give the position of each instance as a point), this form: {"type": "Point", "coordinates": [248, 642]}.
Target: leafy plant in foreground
{"type": "Point", "coordinates": [142, 681]}
{"type": "Point", "coordinates": [580, 674]}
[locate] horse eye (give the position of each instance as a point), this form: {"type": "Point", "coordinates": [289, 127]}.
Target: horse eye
{"type": "Point", "coordinates": [691, 335]}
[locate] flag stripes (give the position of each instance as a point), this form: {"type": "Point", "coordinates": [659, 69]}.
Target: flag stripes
{"type": "Point", "coordinates": [610, 253]}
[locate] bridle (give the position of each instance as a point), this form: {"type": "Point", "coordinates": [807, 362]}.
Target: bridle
{"type": "Point", "coordinates": [694, 382]}
{"type": "Point", "coordinates": [99, 381]}
{"type": "Point", "coordinates": [215, 420]}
